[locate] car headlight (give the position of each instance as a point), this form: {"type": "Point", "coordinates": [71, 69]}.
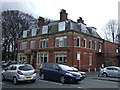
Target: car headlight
{"type": "Point", "coordinates": [69, 74]}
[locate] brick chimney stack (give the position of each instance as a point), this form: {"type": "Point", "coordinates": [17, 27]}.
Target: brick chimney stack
{"type": "Point", "coordinates": [63, 15]}
{"type": "Point", "coordinates": [80, 20]}
{"type": "Point", "coordinates": [41, 21]}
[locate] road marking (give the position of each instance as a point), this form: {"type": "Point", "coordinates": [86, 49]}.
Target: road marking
{"type": "Point", "coordinates": [51, 82]}
{"type": "Point", "coordinates": [79, 87]}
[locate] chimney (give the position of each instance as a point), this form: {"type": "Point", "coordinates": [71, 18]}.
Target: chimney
{"type": "Point", "coordinates": [80, 20]}
{"type": "Point", "coordinates": [41, 21]}
{"type": "Point", "coordinates": [63, 15]}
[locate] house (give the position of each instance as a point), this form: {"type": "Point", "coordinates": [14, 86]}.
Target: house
{"type": "Point", "coordinates": [62, 41]}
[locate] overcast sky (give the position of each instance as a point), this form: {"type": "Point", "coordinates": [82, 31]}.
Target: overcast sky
{"type": "Point", "coordinates": [94, 12]}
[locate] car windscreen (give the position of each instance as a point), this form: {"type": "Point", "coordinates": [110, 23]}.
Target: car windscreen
{"type": "Point", "coordinates": [66, 68]}
{"type": "Point", "coordinates": [25, 68]}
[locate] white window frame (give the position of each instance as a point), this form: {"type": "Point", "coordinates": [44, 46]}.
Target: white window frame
{"type": "Point", "coordinates": [44, 29]}
{"type": "Point", "coordinates": [61, 26]}
{"type": "Point", "coordinates": [95, 45]}
{"type": "Point", "coordinates": [24, 34]}
{"type": "Point", "coordinates": [61, 42]}
{"type": "Point", "coordinates": [84, 43]}
{"type": "Point", "coordinates": [34, 32]}
{"type": "Point", "coordinates": [39, 61]}
{"type": "Point", "coordinates": [42, 42]}
{"type": "Point", "coordinates": [23, 45]}
{"type": "Point", "coordinates": [59, 56]}
{"type": "Point", "coordinates": [90, 59]}
{"type": "Point", "coordinates": [90, 44]}
{"type": "Point", "coordinates": [32, 44]}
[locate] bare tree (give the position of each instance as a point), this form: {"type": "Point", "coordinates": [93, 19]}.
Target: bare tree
{"type": "Point", "coordinates": [110, 30]}
{"type": "Point", "coordinates": [13, 24]}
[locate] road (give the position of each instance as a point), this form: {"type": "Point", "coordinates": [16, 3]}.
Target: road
{"type": "Point", "coordinates": [84, 84]}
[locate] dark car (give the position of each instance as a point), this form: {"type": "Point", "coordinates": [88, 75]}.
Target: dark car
{"type": "Point", "coordinates": [59, 72]}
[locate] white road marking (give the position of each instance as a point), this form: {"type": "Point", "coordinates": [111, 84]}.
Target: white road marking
{"type": "Point", "coordinates": [79, 87]}
{"type": "Point", "coordinates": [51, 82]}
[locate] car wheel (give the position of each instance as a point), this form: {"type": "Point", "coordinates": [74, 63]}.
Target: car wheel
{"type": "Point", "coordinates": [62, 79]}
{"type": "Point", "coordinates": [15, 81]}
{"type": "Point", "coordinates": [3, 77]}
{"type": "Point", "coordinates": [104, 75]}
{"type": "Point", "coordinates": [42, 77]}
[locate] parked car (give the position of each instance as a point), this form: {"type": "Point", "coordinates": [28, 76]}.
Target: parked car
{"type": "Point", "coordinates": [19, 72]}
{"type": "Point", "coordinates": [8, 62]}
{"type": "Point", "coordinates": [111, 71]}
{"type": "Point", "coordinates": [59, 72]}
{"type": "Point", "coordinates": [82, 73]}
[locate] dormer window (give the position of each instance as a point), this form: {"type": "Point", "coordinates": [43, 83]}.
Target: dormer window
{"type": "Point", "coordinates": [34, 31]}
{"type": "Point", "coordinates": [61, 26]}
{"type": "Point", "coordinates": [83, 27]}
{"type": "Point", "coordinates": [24, 34]}
{"type": "Point", "coordinates": [44, 29]}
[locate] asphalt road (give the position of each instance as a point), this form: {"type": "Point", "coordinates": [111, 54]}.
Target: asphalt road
{"type": "Point", "coordinates": [84, 84]}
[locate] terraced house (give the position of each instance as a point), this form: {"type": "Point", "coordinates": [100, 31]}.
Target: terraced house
{"type": "Point", "coordinates": [62, 41]}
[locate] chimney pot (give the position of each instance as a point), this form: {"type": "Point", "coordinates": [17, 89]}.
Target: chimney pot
{"type": "Point", "coordinates": [80, 20]}
{"type": "Point", "coordinates": [40, 21]}
{"type": "Point", "coordinates": [63, 15]}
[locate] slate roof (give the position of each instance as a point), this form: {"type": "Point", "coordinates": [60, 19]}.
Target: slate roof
{"type": "Point", "coordinates": [53, 27]}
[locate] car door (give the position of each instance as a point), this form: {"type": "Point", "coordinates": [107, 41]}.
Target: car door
{"type": "Point", "coordinates": [12, 72]}
{"type": "Point", "coordinates": [7, 72]}
{"type": "Point", "coordinates": [116, 72]}
{"type": "Point", "coordinates": [55, 72]}
{"type": "Point", "coordinates": [47, 70]}
{"type": "Point", "coordinates": [109, 71]}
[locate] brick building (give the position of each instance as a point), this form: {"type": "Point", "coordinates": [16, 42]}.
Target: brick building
{"type": "Point", "coordinates": [63, 41]}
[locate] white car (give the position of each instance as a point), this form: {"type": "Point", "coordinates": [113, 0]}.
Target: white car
{"type": "Point", "coordinates": [82, 73]}
{"type": "Point", "coordinates": [111, 71]}
{"type": "Point", "coordinates": [19, 72]}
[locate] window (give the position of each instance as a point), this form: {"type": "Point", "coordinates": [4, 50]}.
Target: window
{"type": "Point", "coordinates": [90, 44]}
{"type": "Point", "coordinates": [25, 68]}
{"type": "Point", "coordinates": [83, 27]}
{"type": "Point", "coordinates": [21, 58]}
{"type": "Point", "coordinates": [32, 44]}
{"type": "Point", "coordinates": [61, 41]}
{"type": "Point", "coordinates": [42, 58]}
{"type": "Point", "coordinates": [13, 68]}
{"type": "Point", "coordinates": [84, 42]}
{"type": "Point", "coordinates": [60, 58]}
{"type": "Point", "coordinates": [23, 45]}
{"type": "Point", "coordinates": [61, 26]}
{"type": "Point", "coordinates": [44, 29]}
{"type": "Point", "coordinates": [44, 43]}
{"type": "Point", "coordinates": [100, 47]}
{"type": "Point", "coordinates": [34, 31]}
{"type": "Point", "coordinates": [78, 41]}
{"type": "Point", "coordinates": [24, 34]}
{"type": "Point", "coordinates": [90, 59]}
{"type": "Point", "coordinates": [95, 45]}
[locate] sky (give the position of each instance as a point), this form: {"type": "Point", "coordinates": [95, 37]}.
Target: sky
{"type": "Point", "coordinates": [95, 13]}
